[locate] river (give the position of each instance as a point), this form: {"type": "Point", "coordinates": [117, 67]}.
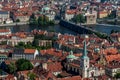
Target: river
{"type": "Point", "coordinates": [105, 28]}
{"type": "Point", "coordinates": [28, 28]}
{"type": "Point", "coordinates": [57, 28]}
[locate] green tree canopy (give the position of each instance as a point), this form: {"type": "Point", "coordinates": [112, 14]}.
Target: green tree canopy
{"type": "Point", "coordinates": [43, 21]}
{"type": "Point", "coordinates": [32, 16]}
{"type": "Point", "coordinates": [23, 64]}
{"type": "Point", "coordinates": [31, 76]}
{"type": "Point", "coordinates": [12, 68]}
{"type": "Point", "coordinates": [35, 42]}
{"type": "Point", "coordinates": [117, 75]}
{"type": "Point", "coordinates": [33, 20]}
{"type": "Point", "coordinates": [79, 18]}
{"type": "Point", "coordinates": [18, 20]}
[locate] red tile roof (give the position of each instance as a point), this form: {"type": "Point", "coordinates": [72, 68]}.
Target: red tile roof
{"type": "Point", "coordinates": [71, 11]}
{"type": "Point", "coordinates": [54, 66]}
{"type": "Point", "coordinates": [10, 77]}
{"type": "Point", "coordinates": [112, 57]}
{"type": "Point", "coordinates": [29, 51]}
{"type": "Point", "coordinates": [4, 30]}
{"type": "Point", "coordinates": [72, 78]}
{"type": "Point", "coordinates": [54, 52]}
{"type": "Point", "coordinates": [110, 51]}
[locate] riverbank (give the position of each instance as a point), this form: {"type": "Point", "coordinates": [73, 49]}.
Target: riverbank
{"type": "Point", "coordinates": [14, 24]}
{"type": "Point", "coordinates": [108, 25]}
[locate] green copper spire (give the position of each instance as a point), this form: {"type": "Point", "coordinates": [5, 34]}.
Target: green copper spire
{"type": "Point", "coordinates": [84, 51]}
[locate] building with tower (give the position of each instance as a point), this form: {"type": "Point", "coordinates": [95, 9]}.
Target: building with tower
{"type": "Point", "coordinates": [84, 62]}
{"type": "Point", "coordinates": [91, 16]}
{"type": "Point", "coordinates": [81, 65]}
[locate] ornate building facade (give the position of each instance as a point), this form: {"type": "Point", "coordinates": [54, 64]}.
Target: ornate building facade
{"type": "Point", "coordinates": [81, 65]}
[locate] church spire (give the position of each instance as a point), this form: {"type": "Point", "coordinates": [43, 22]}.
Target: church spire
{"type": "Point", "coordinates": [84, 63]}
{"type": "Point", "coordinates": [84, 50]}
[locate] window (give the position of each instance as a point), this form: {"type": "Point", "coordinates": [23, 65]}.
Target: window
{"type": "Point", "coordinates": [91, 19]}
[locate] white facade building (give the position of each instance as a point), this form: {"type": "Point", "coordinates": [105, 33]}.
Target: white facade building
{"type": "Point", "coordinates": [85, 69]}
{"type": "Point", "coordinates": [29, 54]}
{"type": "Point", "coordinates": [5, 32]}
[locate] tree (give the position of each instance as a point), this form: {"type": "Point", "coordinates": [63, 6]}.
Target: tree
{"type": "Point", "coordinates": [26, 66]}
{"type": "Point", "coordinates": [17, 20]}
{"type": "Point", "coordinates": [111, 16]}
{"type": "Point", "coordinates": [79, 18]}
{"type": "Point", "coordinates": [46, 20]}
{"type": "Point", "coordinates": [114, 31]}
{"type": "Point", "coordinates": [4, 66]}
{"type": "Point", "coordinates": [51, 22]}
{"type": "Point", "coordinates": [35, 42]}
{"type": "Point", "coordinates": [12, 67]}
{"type": "Point", "coordinates": [32, 17]}
{"type": "Point", "coordinates": [3, 42]}
{"type": "Point", "coordinates": [23, 64]}
{"type": "Point", "coordinates": [117, 75]}
{"type": "Point", "coordinates": [59, 76]}
{"type": "Point", "coordinates": [21, 43]}
{"type": "Point", "coordinates": [33, 20]}
{"type": "Point", "coordinates": [43, 20]}
{"type": "Point", "coordinates": [40, 20]}
{"type": "Point", "coordinates": [31, 76]}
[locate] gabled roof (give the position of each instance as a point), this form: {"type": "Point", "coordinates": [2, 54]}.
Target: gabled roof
{"type": "Point", "coordinates": [4, 30]}
{"type": "Point", "coordinates": [54, 66]}
{"type": "Point", "coordinates": [29, 51]}
{"type": "Point", "coordinates": [112, 57]}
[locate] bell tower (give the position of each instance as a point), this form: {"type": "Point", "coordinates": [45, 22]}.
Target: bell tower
{"type": "Point", "coordinates": [84, 62]}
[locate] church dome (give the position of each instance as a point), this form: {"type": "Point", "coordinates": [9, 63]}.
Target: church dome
{"type": "Point", "coordinates": [46, 8]}
{"type": "Point", "coordinates": [71, 56]}
{"type": "Point", "coordinates": [97, 49]}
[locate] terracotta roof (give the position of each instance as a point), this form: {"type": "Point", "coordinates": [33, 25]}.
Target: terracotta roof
{"type": "Point", "coordinates": [112, 57]}
{"type": "Point", "coordinates": [4, 30]}
{"type": "Point", "coordinates": [54, 52]}
{"type": "Point", "coordinates": [29, 51]}
{"type": "Point", "coordinates": [110, 51]}
{"type": "Point", "coordinates": [10, 77]}
{"type": "Point", "coordinates": [71, 11]}
{"type": "Point", "coordinates": [54, 66]}
{"type": "Point", "coordinates": [72, 78]}
{"type": "Point", "coordinates": [21, 34]}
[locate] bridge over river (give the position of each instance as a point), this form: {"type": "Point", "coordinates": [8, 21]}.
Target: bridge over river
{"type": "Point", "coordinates": [84, 30]}
{"type": "Point", "coordinates": [78, 28]}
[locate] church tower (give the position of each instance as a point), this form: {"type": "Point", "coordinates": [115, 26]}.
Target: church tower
{"type": "Point", "coordinates": [84, 62]}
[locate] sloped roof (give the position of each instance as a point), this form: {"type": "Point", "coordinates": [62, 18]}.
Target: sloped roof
{"type": "Point", "coordinates": [29, 51]}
